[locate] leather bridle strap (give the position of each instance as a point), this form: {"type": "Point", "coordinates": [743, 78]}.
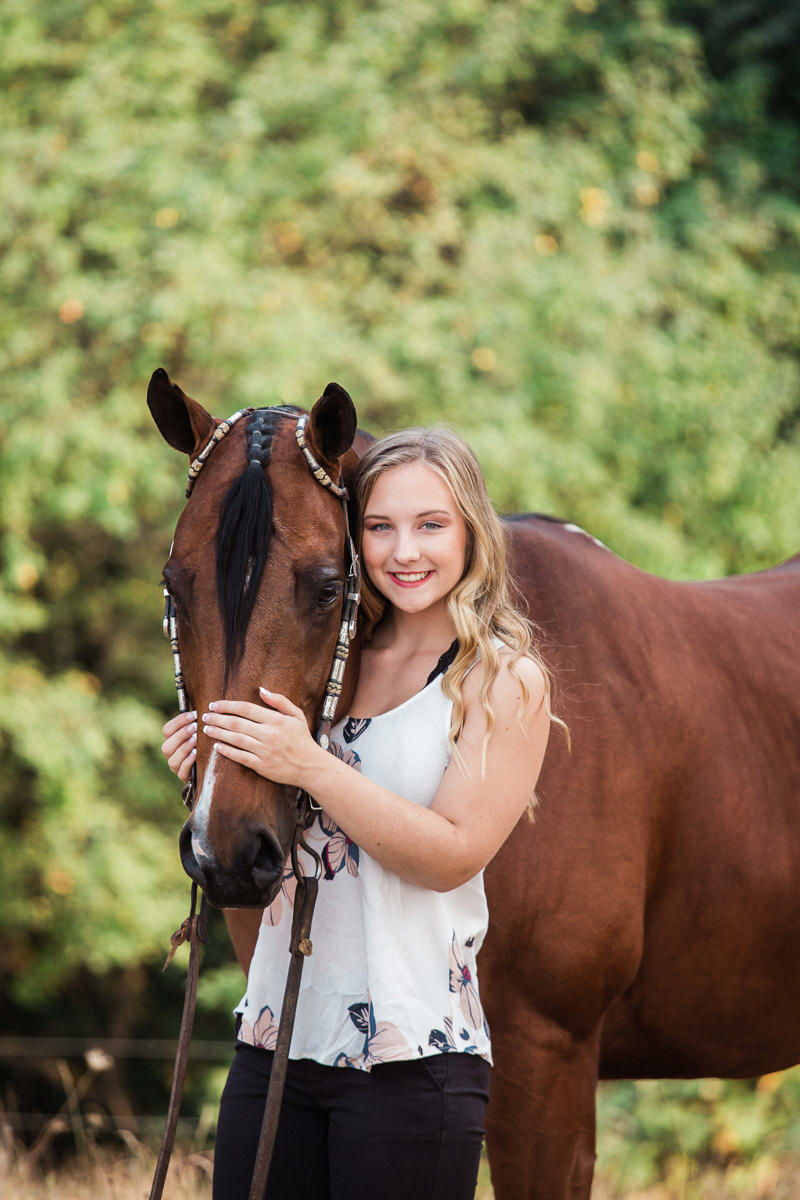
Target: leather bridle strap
{"type": "Point", "coordinates": [352, 597]}
{"type": "Point", "coordinates": [300, 947]}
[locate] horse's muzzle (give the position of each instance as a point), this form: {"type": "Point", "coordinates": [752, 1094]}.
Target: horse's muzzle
{"type": "Point", "coordinates": [252, 881]}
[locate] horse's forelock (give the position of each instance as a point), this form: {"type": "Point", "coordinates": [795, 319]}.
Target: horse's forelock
{"type": "Point", "coordinates": [243, 535]}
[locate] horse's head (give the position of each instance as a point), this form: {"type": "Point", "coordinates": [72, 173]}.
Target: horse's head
{"type": "Point", "coordinates": [257, 573]}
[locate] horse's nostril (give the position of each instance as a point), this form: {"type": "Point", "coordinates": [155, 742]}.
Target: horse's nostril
{"type": "Point", "coordinates": [268, 859]}
{"type": "Point", "coordinates": [191, 864]}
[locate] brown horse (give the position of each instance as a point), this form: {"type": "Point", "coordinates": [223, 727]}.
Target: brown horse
{"type": "Point", "coordinates": [646, 924]}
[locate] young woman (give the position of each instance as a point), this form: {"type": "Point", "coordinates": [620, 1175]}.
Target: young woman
{"type": "Point", "coordinates": [430, 771]}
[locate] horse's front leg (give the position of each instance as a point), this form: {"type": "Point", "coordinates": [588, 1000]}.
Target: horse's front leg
{"type": "Point", "coordinates": [540, 1124]}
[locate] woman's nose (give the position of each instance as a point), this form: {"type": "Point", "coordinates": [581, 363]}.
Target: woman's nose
{"type": "Point", "coordinates": [406, 549]}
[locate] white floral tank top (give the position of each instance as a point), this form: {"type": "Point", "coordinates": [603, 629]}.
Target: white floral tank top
{"type": "Point", "coordinates": [392, 974]}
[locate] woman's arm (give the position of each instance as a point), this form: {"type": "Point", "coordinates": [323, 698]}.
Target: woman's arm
{"type": "Point", "coordinates": [471, 816]}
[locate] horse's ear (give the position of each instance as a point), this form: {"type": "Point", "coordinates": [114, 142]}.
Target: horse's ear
{"type": "Point", "coordinates": [332, 424]}
{"type": "Point", "coordinates": [183, 423]}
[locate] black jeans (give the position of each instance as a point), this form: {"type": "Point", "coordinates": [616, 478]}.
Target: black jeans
{"type": "Point", "coordinates": [403, 1131]}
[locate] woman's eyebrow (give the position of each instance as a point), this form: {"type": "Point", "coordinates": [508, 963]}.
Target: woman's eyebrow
{"type": "Point", "coordinates": [429, 512]}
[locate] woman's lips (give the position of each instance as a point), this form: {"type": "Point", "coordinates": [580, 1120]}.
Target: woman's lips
{"type": "Point", "coordinates": [409, 579]}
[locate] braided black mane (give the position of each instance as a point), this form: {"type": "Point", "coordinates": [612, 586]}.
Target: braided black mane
{"type": "Point", "coordinates": [243, 533]}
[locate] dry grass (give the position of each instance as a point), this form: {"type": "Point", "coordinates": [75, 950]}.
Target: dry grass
{"type": "Point", "coordinates": [106, 1175]}
{"type": "Point", "coordinates": [127, 1175]}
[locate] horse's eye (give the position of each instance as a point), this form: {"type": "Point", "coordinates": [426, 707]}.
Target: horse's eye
{"type": "Point", "coordinates": [179, 584]}
{"type": "Point", "coordinates": [328, 594]}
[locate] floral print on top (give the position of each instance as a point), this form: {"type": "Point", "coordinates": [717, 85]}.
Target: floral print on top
{"type": "Point", "coordinates": [463, 983]}
{"type": "Point", "coordinates": [263, 1033]}
{"type": "Point", "coordinates": [383, 1042]}
{"type": "Point", "coordinates": [354, 726]}
{"type": "Point", "coordinates": [446, 1041]}
{"type": "Point", "coordinates": [393, 971]}
{"type": "Point", "coordinates": [340, 851]}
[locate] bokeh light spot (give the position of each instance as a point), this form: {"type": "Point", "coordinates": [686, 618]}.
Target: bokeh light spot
{"type": "Point", "coordinates": [595, 204]}
{"type": "Point", "coordinates": [484, 358]}
{"type": "Point", "coordinates": [545, 244]}
{"type": "Point", "coordinates": [647, 193]}
{"type": "Point", "coordinates": [647, 161]}
{"type": "Point", "coordinates": [60, 881]}
{"type": "Point", "coordinates": [26, 576]}
{"type": "Point", "coordinates": [287, 238]}
{"type": "Point", "coordinates": [71, 310]}
{"type": "Point", "coordinates": [167, 218]}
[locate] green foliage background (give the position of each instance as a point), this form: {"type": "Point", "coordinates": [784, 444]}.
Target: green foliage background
{"type": "Point", "coordinates": [571, 228]}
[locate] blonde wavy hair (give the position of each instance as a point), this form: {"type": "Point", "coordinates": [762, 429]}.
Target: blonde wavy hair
{"type": "Point", "coordinates": [480, 605]}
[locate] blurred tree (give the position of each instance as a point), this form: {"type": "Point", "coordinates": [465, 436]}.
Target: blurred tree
{"type": "Point", "coordinates": [571, 229]}
{"type": "Point", "coordinates": [754, 36]}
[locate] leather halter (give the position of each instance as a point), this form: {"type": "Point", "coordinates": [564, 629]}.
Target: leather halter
{"type": "Point", "coordinates": [193, 928]}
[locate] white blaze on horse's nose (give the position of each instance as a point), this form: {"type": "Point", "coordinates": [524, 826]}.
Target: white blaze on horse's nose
{"type": "Point", "coordinates": [202, 808]}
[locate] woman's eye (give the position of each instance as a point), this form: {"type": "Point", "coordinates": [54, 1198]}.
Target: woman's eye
{"type": "Point", "coordinates": [431, 525]}
{"type": "Point", "coordinates": [380, 527]}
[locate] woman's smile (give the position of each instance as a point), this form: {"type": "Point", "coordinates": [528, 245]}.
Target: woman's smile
{"type": "Point", "coordinates": [410, 578]}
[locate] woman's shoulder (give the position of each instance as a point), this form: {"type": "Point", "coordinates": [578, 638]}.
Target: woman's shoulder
{"type": "Point", "coordinates": [518, 680]}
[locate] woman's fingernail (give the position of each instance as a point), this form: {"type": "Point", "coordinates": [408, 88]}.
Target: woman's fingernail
{"type": "Point", "coordinates": [193, 716]}
{"type": "Point", "coordinates": [207, 729]}
{"type": "Point", "coordinates": [265, 691]}
{"type": "Point", "coordinates": [193, 738]}
{"type": "Point", "coordinates": [212, 705]}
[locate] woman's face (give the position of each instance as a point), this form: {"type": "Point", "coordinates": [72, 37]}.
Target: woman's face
{"type": "Point", "coordinates": [414, 538]}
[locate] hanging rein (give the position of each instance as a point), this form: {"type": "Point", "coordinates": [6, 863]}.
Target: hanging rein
{"type": "Point", "coordinates": [193, 928]}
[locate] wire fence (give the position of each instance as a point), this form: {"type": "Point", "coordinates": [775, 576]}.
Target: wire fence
{"type": "Point", "coordinates": [82, 1047]}
{"type": "Point", "coordinates": [93, 1057]}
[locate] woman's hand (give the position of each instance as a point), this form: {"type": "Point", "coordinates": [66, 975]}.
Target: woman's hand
{"type": "Point", "coordinates": [274, 741]}
{"type": "Point", "coordinates": [180, 743]}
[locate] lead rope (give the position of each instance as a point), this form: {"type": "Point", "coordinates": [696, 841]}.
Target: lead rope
{"type": "Point", "coordinates": [194, 928]}
{"type": "Point", "coordinates": [300, 948]}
